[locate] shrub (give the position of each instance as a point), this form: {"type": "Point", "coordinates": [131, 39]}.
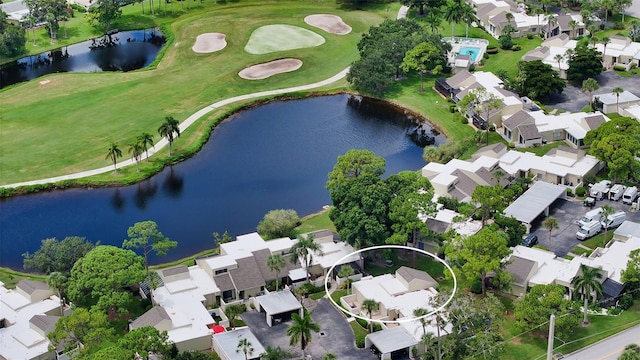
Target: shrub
{"type": "Point", "coordinates": [362, 322]}
{"type": "Point", "coordinates": [506, 42]}
{"type": "Point", "coordinates": [590, 179]}
{"type": "Point", "coordinates": [485, 56]}
{"type": "Point", "coordinates": [530, 36]}
{"type": "Point", "coordinates": [511, 145]}
{"type": "Point", "coordinates": [516, 48]}
{"type": "Point", "coordinates": [625, 301]}
{"type": "Point", "coordinates": [492, 128]}
{"type": "Point", "coordinates": [615, 311]}
{"type": "Point", "coordinates": [618, 25]}
{"type": "Point", "coordinates": [569, 192]}
{"type": "Point", "coordinates": [78, 8]}
{"type": "Point", "coordinates": [452, 108]}
{"type": "Point", "coordinates": [492, 49]}
{"type": "Point", "coordinates": [634, 65]}
{"type": "Point", "coordinates": [472, 68]}
{"type": "Point", "coordinates": [602, 26]}
{"type": "Point", "coordinates": [619, 68]}
{"type": "Point", "coordinates": [464, 121]}
{"type": "Point", "coordinates": [476, 286]}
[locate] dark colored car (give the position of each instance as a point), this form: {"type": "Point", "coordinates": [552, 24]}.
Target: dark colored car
{"type": "Point", "coordinates": [530, 240]}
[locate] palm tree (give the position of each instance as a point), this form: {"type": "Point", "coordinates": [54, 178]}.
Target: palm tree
{"type": "Point", "coordinates": [453, 14]}
{"type": "Point", "coordinates": [605, 40]}
{"type": "Point", "coordinates": [245, 347]}
{"type": "Point", "coordinates": [420, 314]}
{"type": "Point", "coordinates": [370, 305]}
{"type": "Point", "coordinates": [568, 54]}
{"type": "Point", "coordinates": [590, 85]}
{"type": "Point", "coordinates": [509, 17]}
{"type": "Point", "coordinates": [550, 223]}
{"type": "Point", "coordinates": [345, 272]}
{"type": "Point", "coordinates": [304, 250]}
{"type": "Point", "coordinates": [617, 90]}
{"type": "Point", "coordinates": [145, 139]}
{"type": "Point", "coordinates": [168, 129]}
{"type": "Point", "coordinates": [559, 59]}
{"type": "Point", "coordinates": [428, 341]}
{"type": "Point", "coordinates": [604, 214]}
{"type": "Point", "coordinates": [434, 19]}
{"type": "Point", "coordinates": [136, 150]}
{"type": "Point", "coordinates": [300, 330]}
{"type": "Point", "coordinates": [631, 352]}
{"type": "Point", "coordinates": [587, 283]}
{"type": "Point", "coordinates": [594, 40]}
{"type": "Point", "coordinates": [469, 16]}
{"type": "Point", "coordinates": [574, 25]}
{"type": "Point", "coordinates": [232, 312]}
{"type": "Point", "coordinates": [276, 262]}
{"type": "Point", "coordinates": [275, 353]}
{"type": "Point", "coordinates": [551, 22]}
{"type": "Point", "coordinates": [57, 280]}
{"type": "Point", "coordinates": [114, 153]}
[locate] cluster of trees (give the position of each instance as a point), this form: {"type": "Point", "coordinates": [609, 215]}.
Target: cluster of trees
{"type": "Point", "coordinates": [616, 143]}
{"type": "Point", "coordinates": [49, 12]}
{"type": "Point", "coordinates": [279, 223]}
{"type": "Point", "coordinates": [12, 37]}
{"type": "Point", "coordinates": [368, 210]}
{"type": "Point", "coordinates": [584, 62]}
{"type": "Point", "coordinates": [169, 129]}
{"type": "Point", "coordinates": [394, 47]}
{"type": "Point", "coordinates": [537, 80]}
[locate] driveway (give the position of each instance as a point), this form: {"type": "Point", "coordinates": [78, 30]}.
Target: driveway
{"type": "Point", "coordinates": [573, 99]}
{"type": "Point", "coordinates": [568, 212]}
{"type": "Point", "coordinates": [335, 334]}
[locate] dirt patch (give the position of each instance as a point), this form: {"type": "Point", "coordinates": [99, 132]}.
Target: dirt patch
{"type": "Point", "coordinates": [209, 42]}
{"type": "Point", "coordinates": [332, 24]}
{"type": "Point", "coordinates": [263, 71]}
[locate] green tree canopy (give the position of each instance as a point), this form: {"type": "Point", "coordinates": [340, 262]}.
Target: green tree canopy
{"type": "Point", "coordinates": [353, 164]}
{"type": "Point", "coordinates": [539, 303]}
{"type": "Point", "coordinates": [12, 37]}
{"type": "Point", "coordinates": [89, 327]}
{"type": "Point", "coordinates": [617, 143]}
{"type": "Point", "coordinates": [538, 80]}
{"type": "Point", "coordinates": [100, 277]}
{"type": "Point", "coordinates": [424, 57]}
{"type": "Point", "coordinates": [631, 275]}
{"type": "Point", "coordinates": [304, 249]}
{"type": "Point", "coordinates": [144, 235]}
{"type": "Point", "coordinates": [105, 13]}
{"type": "Point", "coordinates": [54, 255]}
{"type": "Point", "coordinates": [145, 340]}
{"type": "Point", "coordinates": [584, 63]}
{"type": "Point", "coordinates": [279, 223]}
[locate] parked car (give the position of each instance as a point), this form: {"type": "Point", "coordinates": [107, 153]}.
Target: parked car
{"type": "Point", "coordinates": [630, 195]}
{"type": "Point", "coordinates": [614, 220]}
{"type": "Point", "coordinates": [590, 217]}
{"type": "Point", "coordinates": [530, 240]}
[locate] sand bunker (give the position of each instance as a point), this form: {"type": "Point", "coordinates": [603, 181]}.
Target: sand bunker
{"type": "Point", "coordinates": [332, 24]}
{"type": "Point", "coordinates": [263, 71]}
{"type": "Point", "coordinates": [272, 38]}
{"type": "Point", "coordinates": [209, 42]}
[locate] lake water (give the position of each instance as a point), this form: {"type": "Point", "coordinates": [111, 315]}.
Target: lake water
{"type": "Point", "coordinates": [122, 51]}
{"type": "Point", "coordinates": [274, 156]}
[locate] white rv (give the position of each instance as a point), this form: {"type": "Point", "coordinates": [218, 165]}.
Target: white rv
{"type": "Point", "coordinates": [588, 231]}
{"type": "Point", "coordinates": [616, 192]}
{"type": "Point", "coordinates": [590, 217]}
{"type": "Point", "coordinates": [614, 220]}
{"type": "Point", "coordinates": [600, 190]}
{"type": "Point", "coordinates": [630, 195]}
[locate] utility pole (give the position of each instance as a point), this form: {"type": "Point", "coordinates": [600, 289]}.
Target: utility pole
{"type": "Point", "coordinates": [552, 324]}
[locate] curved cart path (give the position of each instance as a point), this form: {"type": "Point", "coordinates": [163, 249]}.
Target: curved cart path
{"type": "Point", "coordinates": [183, 126]}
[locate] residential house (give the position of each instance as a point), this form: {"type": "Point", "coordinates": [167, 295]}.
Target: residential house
{"type": "Point", "coordinates": [27, 315]}
{"type": "Point", "coordinates": [17, 11]}
{"type": "Point", "coordinates": [615, 103]}
{"type": "Point", "coordinates": [620, 51]}
{"type": "Point", "coordinates": [465, 82]}
{"type": "Point", "coordinates": [531, 128]}
{"type": "Point", "coordinates": [226, 343]}
{"type": "Point", "coordinates": [548, 51]}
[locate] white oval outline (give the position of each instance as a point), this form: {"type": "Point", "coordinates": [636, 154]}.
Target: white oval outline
{"type": "Point", "coordinates": [330, 272]}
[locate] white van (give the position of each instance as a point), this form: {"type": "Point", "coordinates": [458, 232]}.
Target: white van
{"type": "Point", "coordinates": [590, 217]}
{"type": "Point", "coordinates": [616, 192]}
{"type": "Point", "coordinates": [614, 220]}
{"type": "Point", "coordinates": [630, 195]}
{"type": "Point", "coordinates": [588, 231]}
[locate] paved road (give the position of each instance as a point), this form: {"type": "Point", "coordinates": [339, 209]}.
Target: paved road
{"type": "Point", "coordinates": [609, 348]}
{"type": "Point", "coordinates": [573, 99]}
{"type": "Point", "coordinates": [567, 212]}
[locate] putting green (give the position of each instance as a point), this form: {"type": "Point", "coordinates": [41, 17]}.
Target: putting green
{"type": "Point", "coordinates": [273, 38]}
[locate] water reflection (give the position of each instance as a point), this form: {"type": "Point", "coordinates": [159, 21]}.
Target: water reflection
{"type": "Point", "coordinates": [123, 51]}
{"type": "Point", "coordinates": [117, 201]}
{"type": "Point", "coordinates": [145, 191]}
{"type": "Point", "coordinates": [173, 183]}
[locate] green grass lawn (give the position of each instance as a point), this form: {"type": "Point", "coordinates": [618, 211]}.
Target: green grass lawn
{"type": "Point", "coordinates": [543, 149]}
{"type": "Point", "coordinates": [317, 221]}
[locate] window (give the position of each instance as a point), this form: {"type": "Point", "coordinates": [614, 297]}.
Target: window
{"type": "Point", "coordinates": [557, 134]}
{"type": "Point", "coordinates": [241, 295]}
{"type": "Point", "coordinates": [221, 271]}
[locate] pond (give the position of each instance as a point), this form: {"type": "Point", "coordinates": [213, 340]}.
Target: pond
{"type": "Point", "coordinates": [274, 156]}
{"type": "Point", "coordinates": [121, 51]}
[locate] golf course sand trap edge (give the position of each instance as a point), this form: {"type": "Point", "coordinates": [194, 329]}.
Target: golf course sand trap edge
{"type": "Point", "coordinates": [332, 24]}
{"type": "Point", "coordinates": [265, 70]}
{"type": "Point", "coordinates": [209, 42]}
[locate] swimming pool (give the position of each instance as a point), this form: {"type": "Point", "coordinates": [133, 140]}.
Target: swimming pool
{"type": "Point", "coordinates": [471, 51]}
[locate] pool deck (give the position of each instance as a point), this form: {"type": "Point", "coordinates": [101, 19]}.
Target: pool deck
{"type": "Point", "coordinates": [459, 43]}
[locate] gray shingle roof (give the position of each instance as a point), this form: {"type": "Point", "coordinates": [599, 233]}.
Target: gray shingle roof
{"type": "Point", "coordinates": [46, 323]}
{"type": "Point", "coordinates": [458, 78]}
{"type": "Point", "coordinates": [520, 268]}
{"type": "Point", "coordinates": [30, 286]}
{"type": "Point", "coordinates": [223, 282]}
{"type": "Point", "coordinates": [151, 318]}
{"type": "Point", "coordinates": [409, 274]}
{"type": "Point", "coordinates": [180, 269]}
{"type": "Point", "coordinates": [437, 225]}
{"type": "Point", "coordinates": [594, 121]}
{"type": "Point", "coordinates": [465, 184]}
{"type": "Point", "coordinates": [246, 275]}
{"type": "Point", "coordinates": [517, 119]}
{"type": "Point", "coordinates": [260, 258]}
{"type": "Point", "coordinates": [529, 132]}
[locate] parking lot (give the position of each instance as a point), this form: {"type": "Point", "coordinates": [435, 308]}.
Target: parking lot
{"type": "Point", "coordinates": [568, 212]}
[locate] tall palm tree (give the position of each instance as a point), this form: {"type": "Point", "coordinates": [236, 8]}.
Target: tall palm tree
{"type": "Point", "coordinates": [370, 305]}
{"type": "Point", "coordinates": [605, 40]}
{"type": "Point", "coordinates": [58, 281]}
{"type": "Point", "coordinates": [276, 262]}
{"type": "Point", "coordinates": [469, 16]}
{"type": "Point", "coordinates": [559, 59]}
{"type": "Point", "coordinates": [245, 346]}
{"type": "Point", "coordinates": [453, 14]}
{"type": "Point", "coordinates": [145, 139]}
{"type": "Point", "coordinates": [552, 21]}
{"type": "Point", "coordinates": [428, 341]}
{"type": "Point", "coordinates": [587, 283]}
{"type": "Point", "coordinates": [304, 250]}
{"type": "Point", "coordinates": [232, 312]}
{"type": "Point", "coordinates": [434, 19]}
{"type": "Point", "coordinates": [300, 330]}
{"type": "Point", "coordinates": [617, 90]}
{"type": "Point", "coordinates": [136, 150]}
{"type": "Point", "coordinates": [604, 214]}
{"type": "Point", "coordinates": [345, 272]}
{"type": "Point", "coordinates": [114, 153]}
{"type": "Point", "coordinates": [589, 86]}
{"type": "Point", "coordinates": [420, 314]}
{"type": "Point", "coordinates": [574, 25]}
{"type": "Point", "coordinates": [509, 17]}
{"type": "Point", "coordinates": [550, 223]}
{"type": "Point", "coordinates": [169, 128]}
{"type": "Point", "coordinates": [594, 40]}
